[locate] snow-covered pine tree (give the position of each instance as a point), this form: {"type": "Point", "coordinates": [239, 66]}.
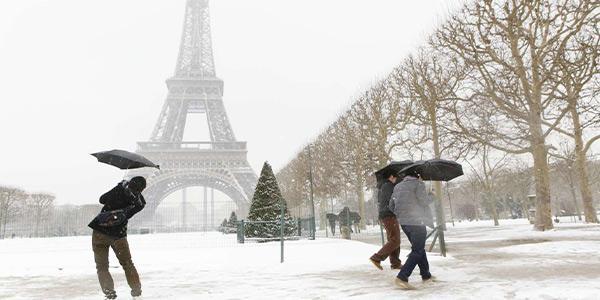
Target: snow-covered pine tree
{"type": "Point", "coordinates": [266, 206]}
{"type": "Point", "coordinates": [224, 224]}
{"type": "Point", "coordinates": [233, 220]}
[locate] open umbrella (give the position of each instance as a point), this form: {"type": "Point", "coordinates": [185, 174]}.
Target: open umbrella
{"type": "Point", "coordinates": [392, 168]}
{"type": "Point", "coordinates": [124, 159]}
{"type": "Point", "coordinates": [436, 169]}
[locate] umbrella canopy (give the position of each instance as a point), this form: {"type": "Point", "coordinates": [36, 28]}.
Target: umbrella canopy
{"type": "Point", "coordinates": [392, 168]}
{"type": "Point", "coordinates": [124, 159]}
{"type": "Point", "coordinates": [435, 169]}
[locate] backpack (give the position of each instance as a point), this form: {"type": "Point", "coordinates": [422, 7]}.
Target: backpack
{"type": "Point", "coordinates": [111, 218]}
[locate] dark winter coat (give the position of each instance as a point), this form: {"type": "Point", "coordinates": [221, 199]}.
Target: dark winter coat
{"type": "Point", "coordinates": [410, 202]}
{"type": "Point", "coordinates": [119, 197]}
{"type": "Point", "coordinates": [383, 198]}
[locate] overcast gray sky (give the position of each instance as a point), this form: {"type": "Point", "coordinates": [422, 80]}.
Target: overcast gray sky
{"type": "Point", "coordinates": [80, 76]}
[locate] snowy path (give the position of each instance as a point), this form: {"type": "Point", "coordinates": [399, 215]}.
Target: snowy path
{"type": "Point", "coordinates": [510, 261]}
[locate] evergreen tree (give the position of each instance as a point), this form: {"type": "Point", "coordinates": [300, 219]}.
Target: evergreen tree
{"type": "Point", "coordinates": [233, 219]}
{"type": "Point", "coordinates": [266, 206]}
{"type": "Point", "coordinates": [224, 224]}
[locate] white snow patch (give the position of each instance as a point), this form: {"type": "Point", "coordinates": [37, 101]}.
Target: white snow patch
{"type": "Point", "coordinates": [507, 262]}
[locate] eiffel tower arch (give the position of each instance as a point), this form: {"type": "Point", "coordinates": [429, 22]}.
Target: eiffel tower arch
{"type": "Point", "coordinates": [219, 162]}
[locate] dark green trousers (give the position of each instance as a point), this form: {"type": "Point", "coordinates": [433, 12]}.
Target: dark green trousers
{"type": "Point", "coordinates": [100, 244]}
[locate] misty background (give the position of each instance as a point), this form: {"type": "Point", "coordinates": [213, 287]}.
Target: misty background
{"type": "Point", "coordinates": [78, 77]}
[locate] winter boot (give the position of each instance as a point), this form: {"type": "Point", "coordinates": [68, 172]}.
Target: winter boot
{"type": "Point", "coordinates": [136, 293]}
{"type": "Point", "coordinates": [376, 262]}
{"type": "Point", "coordinates": [110, 295]}
{"type": "Point", "coordinates": [403, 284]}
{"type": "Point", "coordinates": [396, 267]}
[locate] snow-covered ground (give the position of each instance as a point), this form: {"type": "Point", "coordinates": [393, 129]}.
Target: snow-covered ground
{"type": "Point", "coordinates": [507, 262]}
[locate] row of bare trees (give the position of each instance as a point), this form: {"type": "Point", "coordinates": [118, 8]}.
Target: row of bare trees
{"type": "Point", "coordinates": [25, 214]}
{"type": "Point", "coordinates": [499, 81]}
{"type": "Point", "coordinates": [504, 190]}
{"type": "Point", "coordinates": [17, 205]}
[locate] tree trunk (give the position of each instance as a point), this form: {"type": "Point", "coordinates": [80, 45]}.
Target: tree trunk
{"type": "Point", "coordinates": [476, 205]}
{"type": "Point", "coordinates": [475, 201]}
{"type": "Point", "coordinates": [361, 204]}
{"type": "Point", "coordinates": [322, 216]}
{"type": "Point", "coordinates": [574, 193]}
{"type": "Point", "coordinates": [437, 186]}
{"type": "Point", "coordinates": [489, 186]}
{"type": "Point", "coordinates": [581, 161]}
{"type": "Point", "coordinates": [543, 210]}
{"type": "Point", "coordinates": [525, 207]}
{"type": "Point", "coordinates": [374, 208]}
{"type": "Point", "coordinates": [439, 209]}
{"type": "Point", "coordinates": [494, 208]}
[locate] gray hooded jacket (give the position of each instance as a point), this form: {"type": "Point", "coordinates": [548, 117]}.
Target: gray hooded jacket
{"type": "Point", "coordinates": [410, 203]}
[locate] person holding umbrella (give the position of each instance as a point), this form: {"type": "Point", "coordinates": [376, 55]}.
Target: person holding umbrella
{"type": "Point", "coordinates": [387, 177]}
{"type": "Point", "coordinates": [390, 224]}
{"type": "Point", "coordinates": [410, 203]}
{"type": "Point", "coordinates": [121, 203]}
{"type": "Point", "coordinates": [110, 230]}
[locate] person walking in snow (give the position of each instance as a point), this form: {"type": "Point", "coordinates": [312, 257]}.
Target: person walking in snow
{"type": "Point", "coordinates": [345, 219]}
{"type": "Point", "coordinates": [110, 230]}
{"type": "Point", "coordinates": [390, 223]}
{"type": "Point", "coordinates": [410, 203]}
{"type": "Point", "coordinates": [331, 218]}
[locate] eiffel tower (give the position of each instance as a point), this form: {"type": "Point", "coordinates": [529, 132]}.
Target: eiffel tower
{"type": "Point", "coordinates": [219, 163]}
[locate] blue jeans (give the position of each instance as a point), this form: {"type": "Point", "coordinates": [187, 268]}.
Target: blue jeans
{"type": "Point", "coordinates": [416, 235]}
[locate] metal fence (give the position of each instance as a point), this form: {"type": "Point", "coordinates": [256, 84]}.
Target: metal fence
{"type": "Point", "coordinates": [209, 215]}
{"type": "Point", "coordinates": [205, 217]}
{"type": "Point", "coordinates": [51, 221]}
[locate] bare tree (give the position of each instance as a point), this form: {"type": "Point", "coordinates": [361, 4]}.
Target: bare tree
{"type": "Point", "coordinates": [40, 204]}
{"type": "Point", "coordinates": [354, 156]}
{"type": "Point", "coordinates": [521, 183]}
{"type": "Point", "coordinates": [577, 69]}
{"type": "Point", "coordinates": [487, 176]}
{"type": "Point", "coordinates": [565, 167]}
{"type": "Point", "coordinates": [511, 46]}
{"type": "Point", "coordinates": [10, 202]}
{"type": "Point", "coordinates": [466, 194]}
{"type": "Point", "coordinates": [382, 117]}
{"type": "Point", "coordinates": [293, 182]}
{"type": "Point", "coordinates": [431, 81]}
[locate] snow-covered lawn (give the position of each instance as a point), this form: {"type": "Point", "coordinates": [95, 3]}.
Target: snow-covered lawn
{"type": "Point", "coordinates": [511, 261]}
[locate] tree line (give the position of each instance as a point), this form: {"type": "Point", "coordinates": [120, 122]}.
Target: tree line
{"type": "Point", "coordinates": [24, 214]}
{"type": "Point", "coordinates": [508, 88]}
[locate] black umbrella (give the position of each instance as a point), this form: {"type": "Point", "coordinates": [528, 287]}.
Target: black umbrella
{"type": "Point", "coordinates": [123, 159]}
{"type": "Point", "coordinates": [392, 168]}
{"type": "Point", "coordinates": [435, 169]}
